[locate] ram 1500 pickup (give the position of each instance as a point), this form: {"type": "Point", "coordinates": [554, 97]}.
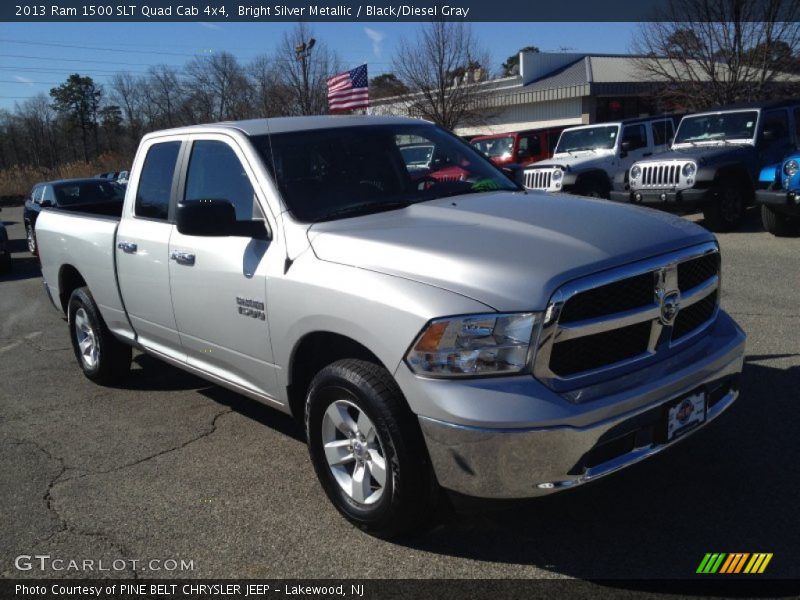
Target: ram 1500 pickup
{"type": "Point", "coordinates": [460, 335]}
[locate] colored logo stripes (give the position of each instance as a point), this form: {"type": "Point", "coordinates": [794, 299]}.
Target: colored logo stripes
{"type": "Point", "coordinates": [736, 562]}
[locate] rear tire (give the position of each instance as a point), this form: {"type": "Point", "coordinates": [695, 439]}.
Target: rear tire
{"type": "Point", "coordinates": [101, 356]}
{"type": "Point", "coordinates": [368, 451]}
{"type": "Point", "coordinates": [725, 212]}
{"type": "Point", "coordinates": [778, 224]}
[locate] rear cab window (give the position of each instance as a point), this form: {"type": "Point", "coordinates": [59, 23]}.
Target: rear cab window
{"type": "Point", "coordinates": [155, 183]}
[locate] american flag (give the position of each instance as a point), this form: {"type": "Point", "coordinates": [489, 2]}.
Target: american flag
{"type": "Point", "coordinates": [348, 90]}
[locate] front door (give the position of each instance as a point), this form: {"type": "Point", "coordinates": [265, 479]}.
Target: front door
{"type": "Point", "coordinates": [219, 283]}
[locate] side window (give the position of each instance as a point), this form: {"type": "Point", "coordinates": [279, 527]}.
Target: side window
{"type": "Point", "coordinates": [36, 194]}
{"type": "Point", "coordinates": [533, 146]}
{"type": "Point", "coordinates": [155, 182]}
{"type": "Point", "coordinates": [49, 194]}
{"type": "Point", "coordinates": [215, 173]}
{"type": "Point", "coordinates": [635, 135]}
{"type": "Point", "coordinates": [552, 140]}
{"type": "Point", "coordinates": [776, 122]}
{"type": "Point", "coordinates": [662, 132]}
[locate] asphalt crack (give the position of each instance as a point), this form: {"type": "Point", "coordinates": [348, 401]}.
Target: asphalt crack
{"type": "Point", "coordinates": [62, 525]}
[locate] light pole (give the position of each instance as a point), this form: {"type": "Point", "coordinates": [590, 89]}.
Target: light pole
{"type": "Point", "coordinates": [303, 52]}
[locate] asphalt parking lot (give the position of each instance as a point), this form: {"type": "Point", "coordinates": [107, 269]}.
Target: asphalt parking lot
{"type": "Point", "coordinates": [170, 467]}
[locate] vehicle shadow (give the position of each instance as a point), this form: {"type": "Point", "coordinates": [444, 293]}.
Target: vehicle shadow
{"type": "Point", "coordinates": [22, 268]}
{"type": "Point", "coordinates": [157, 376]}
{"type": "Point", "coordinates": [751, 221]}
{"type": "Point", "coordinates": [731, 488]}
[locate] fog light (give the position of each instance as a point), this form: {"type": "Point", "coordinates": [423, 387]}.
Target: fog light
{"type": "Point", "coordinates": [638, 197]}
{"type": "Point", "coordinates": [690, 181]}
{"type": "Point", "coordinates": [663, 197]}
{"type": "Point", "coordinates": [558, 185]}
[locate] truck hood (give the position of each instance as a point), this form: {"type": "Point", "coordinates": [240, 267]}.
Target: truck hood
{"type": "Point", "coordinates": [586, 159]}
{"type": "Point", "coordinates": [508, 250]}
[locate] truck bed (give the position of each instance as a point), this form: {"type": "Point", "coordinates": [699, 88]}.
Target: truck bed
{"type": "Point", "coordinates": [83, 243]}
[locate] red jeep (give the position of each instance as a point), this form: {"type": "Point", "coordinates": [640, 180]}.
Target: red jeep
{"type": "Point", "coordinates": [518, 147]}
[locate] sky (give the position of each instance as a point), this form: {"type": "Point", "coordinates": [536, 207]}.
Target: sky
{"type": "Point", "coordinates": [35, 57]}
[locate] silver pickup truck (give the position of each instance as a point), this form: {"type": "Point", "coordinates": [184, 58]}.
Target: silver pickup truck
{"type": "Point", "coordinates": [434, 328]}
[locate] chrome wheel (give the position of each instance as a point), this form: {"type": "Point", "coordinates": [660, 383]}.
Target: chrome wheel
{"type": "Point", "coordinates": [354, 452]}
{"type": "Point", "coordinates": [31, 239]}
{"type": "Point", "coordinates": [87, 342]}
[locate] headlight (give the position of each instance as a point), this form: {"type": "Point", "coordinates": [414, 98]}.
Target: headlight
{"type": "Point", "coordinates": [475, 345]}
{"type": "Point", "coordinates": [558, 174]}
{"type": "Point", "coordinates": [636, 172]}
{"type": "Point", "coordinates": [689, 169]}
{"type": "Point", "coordinates": [791, 167]}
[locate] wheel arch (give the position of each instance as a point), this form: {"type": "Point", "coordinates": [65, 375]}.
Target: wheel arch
{"type": "Point", "coordinates": [69, 280]}
{"type": "Point", "coordinates": [314, 351]}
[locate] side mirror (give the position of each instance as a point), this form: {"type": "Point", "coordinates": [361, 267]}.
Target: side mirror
{"type": "Point", "coordinates": [215, 218]}
{"type": "Point", "coordinates": [768, 135]}
{"type": "Point", "coordinates": [45, 203]}
{"type": "Point", "coordinates": [670, 140]}
{"type": "Point", "coordinates": [624, 148]}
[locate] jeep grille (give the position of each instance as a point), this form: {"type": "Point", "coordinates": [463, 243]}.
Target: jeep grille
{"type": "Point", "coordinates": [538, 179]}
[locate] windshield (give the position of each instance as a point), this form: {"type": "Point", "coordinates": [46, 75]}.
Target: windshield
{"type": "Point", "coordinates": [589, 138]}
{"type": "Point", "coordinates": [324, 174]}
{"type": "Point", "coordinates": [496, 147]}
{"type": "Point", "coordinates": [87, 192]}
{"type": "Point", "coordinates": [739, 125]}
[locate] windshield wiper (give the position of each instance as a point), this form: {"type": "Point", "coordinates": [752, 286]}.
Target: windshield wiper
{"type": "Point", "coordinates": [363, 209]}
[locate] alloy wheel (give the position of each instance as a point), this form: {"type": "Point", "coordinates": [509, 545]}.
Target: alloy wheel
{"type": "Point", "coordinates": [354, 452]}
{"type": "Point", "coordinates": [87, 341]}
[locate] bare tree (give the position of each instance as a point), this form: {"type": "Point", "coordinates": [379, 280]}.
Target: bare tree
{"type": "Point", "coordinates": [709, 52]}
{"type": "Point", "coordinates": [218, 85]}
{"type": "Point", "coordinates": [305, 77]}
{"type": "Point", "coordinates": [441, 68]}
{"type": "Point", "coordinates": [271, 96]}
{"type": "Point", "coordinates": [127, 92]}
{"type": "Point", "coordinates": [164, 93]}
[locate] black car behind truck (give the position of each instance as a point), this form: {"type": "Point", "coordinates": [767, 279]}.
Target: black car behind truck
{"type": "Point", "coordinates": [102, 195]}
{"type": "Point", "coordinates": [714, 162]}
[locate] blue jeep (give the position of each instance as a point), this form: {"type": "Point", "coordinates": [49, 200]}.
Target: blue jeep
{"type": "Point", "coordinates": [779, 196]}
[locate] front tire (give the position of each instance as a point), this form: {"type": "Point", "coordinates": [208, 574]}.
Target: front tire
{"type": "Point", "coordinates": [778, 224]}
{"type": "Point", "coordinates": [725, 212]}
{"type": "Point", "coordinates": [101, 356]}
{"type": "Point", "coordinates": [368, 451]}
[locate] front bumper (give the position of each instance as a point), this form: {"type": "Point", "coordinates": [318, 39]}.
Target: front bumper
{"type": "Point", "coordinates": [666, 199]}
{"type": "Point", "coordinates": [520, 462]}
{"type": "Point", "coordinates": [780, 201]}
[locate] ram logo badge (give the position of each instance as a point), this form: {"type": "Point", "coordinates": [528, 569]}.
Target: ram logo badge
{"type": "Point", "coordinates": [250, 308]}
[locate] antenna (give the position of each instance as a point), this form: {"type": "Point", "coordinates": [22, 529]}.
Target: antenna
{"type": "Point", "coordinates": [287, 261]}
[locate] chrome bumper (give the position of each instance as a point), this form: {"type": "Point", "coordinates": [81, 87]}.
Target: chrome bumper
{"type": "Point", "coordinates": [519, 463]}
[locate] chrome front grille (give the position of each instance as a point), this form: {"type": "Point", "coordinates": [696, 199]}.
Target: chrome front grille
{"type": "Point", "coordinates": [538, 179]}
{"type": "Point", "coordinates": [603, 322]}
{"type": "Point", "coordinates": [660, 175]}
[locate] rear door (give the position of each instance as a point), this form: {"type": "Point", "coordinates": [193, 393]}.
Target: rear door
{"type": "Point", "coordinates": [142, 250]}
{"type": "Point", "coordinates": [219, 283]}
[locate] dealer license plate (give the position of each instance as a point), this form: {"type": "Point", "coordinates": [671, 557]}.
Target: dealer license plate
{"type": "Point", "coordinates": [685, 414]}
